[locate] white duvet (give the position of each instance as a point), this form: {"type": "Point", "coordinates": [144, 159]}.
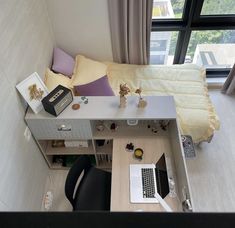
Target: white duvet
{"type": "Point", "coordinates": [196, 114]}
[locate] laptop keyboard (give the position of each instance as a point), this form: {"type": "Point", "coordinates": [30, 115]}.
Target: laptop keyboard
{"type": "Point", "coordinates": [148, 183]}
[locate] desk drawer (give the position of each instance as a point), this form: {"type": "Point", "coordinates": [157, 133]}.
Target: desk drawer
{"type": "Point", "coordinates": [60, 129]}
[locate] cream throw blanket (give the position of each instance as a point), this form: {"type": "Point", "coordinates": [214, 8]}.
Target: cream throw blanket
{"type": "Point", "coordinates": [196, 114]}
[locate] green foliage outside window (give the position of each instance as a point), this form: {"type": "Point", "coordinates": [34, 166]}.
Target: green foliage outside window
{"type": "Point", "coordinates": [209, 36]}
{"type": "Point", "coordinates": [213, 7]}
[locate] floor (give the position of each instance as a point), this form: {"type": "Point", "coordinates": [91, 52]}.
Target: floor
{"type": "Point", "coordinates": [55, 184]}
{"type": "Point", "coordinates": [212, 172]}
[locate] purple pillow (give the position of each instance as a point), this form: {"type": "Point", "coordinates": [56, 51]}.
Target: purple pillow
{"type": "Point", "coordinates": [63, 63]}
{"type": "Point", "coordinates": [99, 87]}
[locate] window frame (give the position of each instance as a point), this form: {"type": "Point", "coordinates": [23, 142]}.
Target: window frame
{"type": "Point", "coordinates": [193, 21]}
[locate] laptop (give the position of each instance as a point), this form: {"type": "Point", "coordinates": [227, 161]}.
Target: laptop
{"type": "Point", "coordinates": [147, 181]}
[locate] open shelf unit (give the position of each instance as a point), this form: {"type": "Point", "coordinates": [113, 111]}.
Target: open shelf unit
{"type": "Point", "coordinates": [101, 153]}
{"type": "Point", "coordinates": [88, 129]}
{"type": "Point", "coordinates": [100, 143]}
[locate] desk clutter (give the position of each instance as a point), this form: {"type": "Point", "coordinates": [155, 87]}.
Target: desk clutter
{"type": "Point", "coordinates": [138, 152]}
{"type": "Point", "coordinates": [116, 126]}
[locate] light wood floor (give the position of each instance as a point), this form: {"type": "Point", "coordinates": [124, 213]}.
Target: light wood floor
{"type": "Point", "coordinates": [212, 172]}
{"type": "Point", "coordinates": [55, 184]}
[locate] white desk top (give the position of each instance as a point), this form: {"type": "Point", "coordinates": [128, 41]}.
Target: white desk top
{"type": "Point", "coordinates": [102, 108]}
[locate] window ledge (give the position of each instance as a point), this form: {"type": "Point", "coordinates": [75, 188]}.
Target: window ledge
{"type": "Point", "coordinates": [215, 83]}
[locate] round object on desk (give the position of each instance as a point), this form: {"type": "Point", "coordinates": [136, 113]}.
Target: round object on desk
{"type": "Point", "coordinates": [75, 106]}
{"type": "Point", "coordinates": [138, 153]}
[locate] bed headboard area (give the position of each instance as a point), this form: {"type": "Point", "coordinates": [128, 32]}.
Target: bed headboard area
{"type": "Point", "coordinates": [185, 82]}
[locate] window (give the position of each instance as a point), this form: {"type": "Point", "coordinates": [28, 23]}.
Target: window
{"type": "Point", "coordinates": [213, 48]}
{"type": "Point", "coordinates": [163, 9]}
{"type": "Point", "coordinates": [162, 47]}
{"type": "Point", "coordinates": [194, 31]}
{"type": "Point", "coordinates": [219, 7]}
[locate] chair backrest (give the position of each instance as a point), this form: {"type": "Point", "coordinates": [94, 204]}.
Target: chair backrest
{"type": "Point", "coordinates": [82, 164]}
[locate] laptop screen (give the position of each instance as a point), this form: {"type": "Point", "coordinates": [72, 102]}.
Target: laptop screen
{"type": "Point", "coordinates": [161, 177]}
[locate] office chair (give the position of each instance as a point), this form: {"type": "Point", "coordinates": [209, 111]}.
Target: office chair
{"type": "Point", "coordinates": [94, 189]}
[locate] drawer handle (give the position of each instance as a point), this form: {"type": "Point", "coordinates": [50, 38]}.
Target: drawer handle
{"type": "Point", "coordinates": [64, 128]}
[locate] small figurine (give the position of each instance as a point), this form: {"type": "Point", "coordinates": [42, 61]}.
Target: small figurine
{"type": "Point", "coordinates": [164, 124]}
{"type": "Point", "coordinates": [154, 130]}
{"type": "Point", "coordinates": [130, 147]}
{"type": "Point", "coordinates": [100, 127]}
{"type": "Point", "coordinates": [124, 90]}
{"type": "Point", "coordinates": [113, 127]}
{"type": "Point", "coordinates": [142, 103]}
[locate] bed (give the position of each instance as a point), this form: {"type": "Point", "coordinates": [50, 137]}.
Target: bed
{"type": "Point", "coordinates": [186, 82]}
{"type": "Point", "coordinates": [195, 112]}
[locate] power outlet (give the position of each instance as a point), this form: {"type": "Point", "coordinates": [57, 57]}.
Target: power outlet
{"type": "Point", "coordinates": [48, 198]}
{"type": "Point", "coordinates": [27, 134]}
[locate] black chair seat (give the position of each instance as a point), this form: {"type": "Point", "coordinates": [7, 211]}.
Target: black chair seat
{"type": "Point", "coordinates": [93, 191]}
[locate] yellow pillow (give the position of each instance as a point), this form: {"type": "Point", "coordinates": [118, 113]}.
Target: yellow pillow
{"type": "Point", "coordinates": [87, 70]}
{"type": "Point", "coordinates": [52, 80]}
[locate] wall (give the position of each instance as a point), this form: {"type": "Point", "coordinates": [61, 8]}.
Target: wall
{"type": "Point", "coordinates": [82, 27]}
{"type": "Point", "coordinates": [26, 44]}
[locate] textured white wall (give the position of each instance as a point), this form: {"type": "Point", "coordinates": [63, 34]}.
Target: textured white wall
{"type": "Point", "coordinates": [26, 44]}
{"type": "Point", "coordinates": [82, 27]}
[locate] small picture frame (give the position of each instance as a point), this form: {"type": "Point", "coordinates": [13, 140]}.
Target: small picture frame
{"type": "Point", "coordinates": [33, 91]}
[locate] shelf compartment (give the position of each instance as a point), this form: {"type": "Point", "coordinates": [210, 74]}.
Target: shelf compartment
{"type": "Point", "coordinates": [104, 161]}
{"type": "Point", "coordinates": [66, 161]}
{"type": "Point", "coordinates": [143, 128]}
{"type": "Point", "coordinates": [49, 150]}
{"type": "Point", "coordinates": [105, 149]}
{"type": "Point", "coordinates": [55, 165]}
{"type": "Point", "coordinates": [105, 166]}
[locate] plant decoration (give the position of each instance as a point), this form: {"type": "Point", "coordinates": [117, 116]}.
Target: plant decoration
{"type": "Point", "coordinates": [35, 93]}
{"type": "Point", "coordinates": [142, 103]}
{"type": "Point", "coordinates": [124, 90]}
{"type": "Point", "coordinates": [139, 91]}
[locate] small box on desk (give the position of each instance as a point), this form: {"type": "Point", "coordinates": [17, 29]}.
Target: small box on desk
{"type": "Point", "coordinates": [57, 100]}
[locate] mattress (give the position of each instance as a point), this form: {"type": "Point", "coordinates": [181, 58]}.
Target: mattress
{"type": "Point", "coordinates": [186, 83]}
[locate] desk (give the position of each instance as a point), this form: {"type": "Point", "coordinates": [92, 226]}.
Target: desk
{"type": "Point", "coordinates": [147, 133]}
{"type": "Point", "coordinates": [153, 149]}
